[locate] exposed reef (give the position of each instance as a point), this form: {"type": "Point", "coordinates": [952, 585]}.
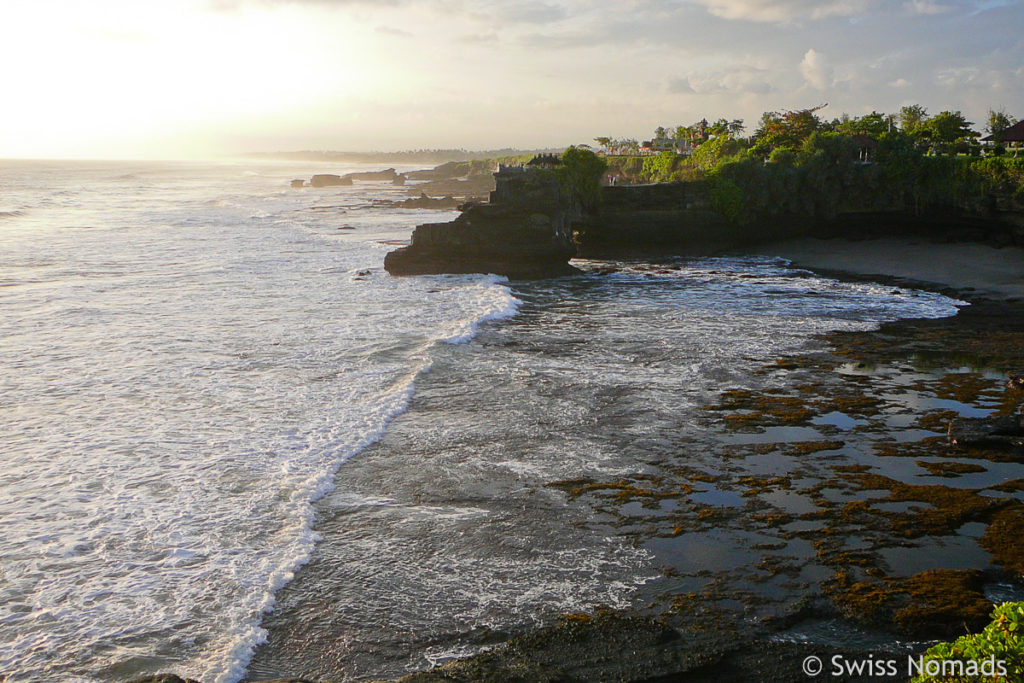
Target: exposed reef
{"type": "Point", "coordinates": [332, 179]}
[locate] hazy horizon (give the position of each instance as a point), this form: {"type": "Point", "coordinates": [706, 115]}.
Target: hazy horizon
{"type": "Point", "coordinates": [216, 79]}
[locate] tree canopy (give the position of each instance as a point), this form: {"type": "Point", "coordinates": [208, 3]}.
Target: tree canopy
{"type": "Point", "coordinates": [998, 122]}
{"type": "Point", "coordinates": [581, 173]}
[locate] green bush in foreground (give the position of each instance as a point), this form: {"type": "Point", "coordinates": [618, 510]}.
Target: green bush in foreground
{"type": "Point", "coordinates": [1003, 640]}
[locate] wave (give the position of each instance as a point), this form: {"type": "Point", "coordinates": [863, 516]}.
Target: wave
{"type": "Point", "coordinates": [502, 305]}
{"type": "Point", "coordinates": [496, 303]}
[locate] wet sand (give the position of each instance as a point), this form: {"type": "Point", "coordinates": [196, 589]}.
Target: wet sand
{"type": "Point", "coordinates": [977, 268]}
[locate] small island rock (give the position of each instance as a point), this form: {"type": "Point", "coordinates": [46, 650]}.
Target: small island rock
{"type": "Point", "coordinates": [328, 180]}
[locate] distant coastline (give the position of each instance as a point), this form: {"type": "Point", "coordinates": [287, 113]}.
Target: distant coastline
{"type": "Point", "coordinates": [415, 156]}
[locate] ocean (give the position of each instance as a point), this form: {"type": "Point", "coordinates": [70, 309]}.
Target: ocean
{"type": "Point", "coordinates": [226, 430]}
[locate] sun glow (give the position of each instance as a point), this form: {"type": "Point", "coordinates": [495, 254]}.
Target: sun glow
{"type": "Point", "coordinates": [159, 79]}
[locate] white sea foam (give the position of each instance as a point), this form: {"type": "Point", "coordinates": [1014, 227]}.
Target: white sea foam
{"type": "Point", "coordinates": [187, 377]}
{"type": "Point", "coordinates": [499, 303]}
{"type": "Point", "coordinates": [177, 394]}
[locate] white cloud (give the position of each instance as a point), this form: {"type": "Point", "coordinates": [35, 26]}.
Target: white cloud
{"type": "Point", "coordinates": [392, 31]}
{"type": "Point", "coordinates": [737, 79]}
{"type": "Point", "coordinates": [928, 7]}
{"type": "Point", "coordinates": [785, 10]}
{"type": "Point", "coordinates": [899, 83]}
{"type": "Point", "coordinates": [816, 70]}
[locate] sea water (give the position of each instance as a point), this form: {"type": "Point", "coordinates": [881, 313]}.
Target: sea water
{"type": "Point", "coordinates": [192, 355]}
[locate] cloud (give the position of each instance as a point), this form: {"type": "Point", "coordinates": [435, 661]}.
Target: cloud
{"type": "Point", "coordinates": [928, 7]}
{"type": "Point", "coordinates": [392, 31]}
{"type": "Point", "coordinates": [680, 86]}
{"type": "Point", "coordinates": [816, 70]}
{"type": "Point", "coordinates": [527, 12]}
{"type": "Point", "coordinates": [785, 10]}
{"type": "Point", "coordinates": [479, 38]}
{"type": "Point", "coordinates": [737, 80]}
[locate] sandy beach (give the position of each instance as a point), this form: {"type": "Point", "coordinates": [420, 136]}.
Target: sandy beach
{"type": "Point", "coordinates": [989, 272]}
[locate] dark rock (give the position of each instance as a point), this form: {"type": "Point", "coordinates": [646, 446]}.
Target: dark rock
{"type": "Point", "coordinates": [486, 240]}
{"type": "Point", "coordinates": [387, 174]}
{"type": "Point", "coordinates": [329, 180]}
{"type": "Point", "coordinates": [1004, 433]}
{"type": "Point", "coordinates": [524, 233]}
{"type": "Point", "coordinates": [1015, 381]}
{"type": "Point", "coordinates": [298, 182]}
{"type": "Point", "coordinates": [173, 678]}
{"type": "Point", "coordinates": [425, 202]}
{"type": "Point", "coordinates": [451, 169]}
{"type": "Point", "coordinates": [477, 185]}
{"type": "Point", "coordinates": [653, 219]}
{"type": "Point", "coordinates": [399, 180]}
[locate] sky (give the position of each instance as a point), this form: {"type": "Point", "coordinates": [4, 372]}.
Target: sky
{"type": "Point", "coordinates": [171, 79]}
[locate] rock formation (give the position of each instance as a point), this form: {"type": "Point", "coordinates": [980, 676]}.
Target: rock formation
{"type": "Point", "coordinates": [387, 174]}
{"type": "Point", "coordinates": [298, 182]}
{"type": "Point", "coordinates": [424, 202]}
{"type": "Point", "coordinates": [524, 232]}
{"type": "Point", "coordinates": [328, 180]}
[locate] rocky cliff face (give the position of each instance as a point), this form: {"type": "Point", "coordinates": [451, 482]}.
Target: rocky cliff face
{"type": "Point", "coordinates": [524, 232]}
{"type": "Point", "coordinates": [678, 218]}
{"type": "Point", "coordinates": [638, 219]}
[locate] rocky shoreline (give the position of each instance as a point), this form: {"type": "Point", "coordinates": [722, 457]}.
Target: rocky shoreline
{"type": "Point", "coordinates": [896, 580]}
{"type": "Point", "coordinates": [696, 637]}
{"type": "Point", "coordinates": [897, 549]}
{"type": "Point", "coordinates": [531, 229]}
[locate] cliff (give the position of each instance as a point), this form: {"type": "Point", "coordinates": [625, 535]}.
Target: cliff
{"type": "Point", "coordinates": [637, 219]}
{"type": "Point", "coordinates": [524, 232]}
{"type": "Point", "coordinates": [688, 218]}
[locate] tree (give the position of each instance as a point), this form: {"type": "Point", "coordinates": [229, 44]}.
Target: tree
{"type": "Point", "coordinates": [911, 117]}
{"type": "Point", "coordinates": [785, 129]}
{"type": "Point", "coordinates": [725, 127]}
{"type": "Point", "coordinates": [873, 124]}
{"type": "Point", "coordinates": [685, 133]}
{"type": "Point", "coordinates": [949, 126]}
{"type": "Point", "coordinates": [660, 133]}
{"type": "Point", "coordinates": [998, 122]}
{"type": "Point", "coordinates": [658, 169]}
{"type": "Point", "coordinates": [948, 131]}
{"type": "Point", "coordinates": [580, 174]}
{"type": "Point", "coordinates": [605, 142]}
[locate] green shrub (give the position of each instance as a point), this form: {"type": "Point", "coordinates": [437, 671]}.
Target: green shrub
{"type": "Point", "coordinates": [658, 169]}
{"type": "Point", "coordinates": [726, 197]}
{"type": "Point", "coordinates": [1002, 639]}
{"type": "Point", "coordinates": [580, 175]}
{"type": "Point", "coordinates": [785, 156]}
{"type": "Point", "coordinates": [714, 151]}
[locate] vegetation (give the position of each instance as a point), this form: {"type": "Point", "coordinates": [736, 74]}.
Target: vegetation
{"type": "Point", "coordinates": [797, 164]}
{"type": "Point", "coordinates": [580, 174]}
{"type": "Point", "coordinates": [962, 661]}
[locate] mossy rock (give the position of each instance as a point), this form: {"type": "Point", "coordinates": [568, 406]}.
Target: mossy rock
{"type": "Point", "coordinates": [940, 603]}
